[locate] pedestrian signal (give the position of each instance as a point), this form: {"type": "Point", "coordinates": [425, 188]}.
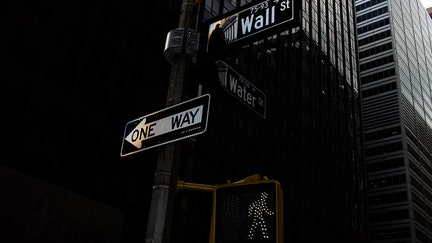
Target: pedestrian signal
{"type": "Point", "coordinates": [247, 212]}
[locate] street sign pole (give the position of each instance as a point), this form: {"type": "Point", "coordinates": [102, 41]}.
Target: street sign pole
{"type": "Point", "coordinates": [164, 186]}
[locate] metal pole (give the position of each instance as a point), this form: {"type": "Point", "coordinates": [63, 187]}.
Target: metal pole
{"type": "Point", "coordinates": [182, 185]}
{"type": "Point", "coordinates": [164, 186]}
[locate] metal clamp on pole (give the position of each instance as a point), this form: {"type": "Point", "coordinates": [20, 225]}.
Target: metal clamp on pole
{"type": "Point", "coordinates": [181, 41]}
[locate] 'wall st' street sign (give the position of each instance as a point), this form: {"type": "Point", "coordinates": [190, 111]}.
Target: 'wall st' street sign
{"type": "Point", "coordinates": [241, 88]}
{"type": "Point", "coordinates": [177, 122]}
{"type": "Point", "coordinates": [258, 18]}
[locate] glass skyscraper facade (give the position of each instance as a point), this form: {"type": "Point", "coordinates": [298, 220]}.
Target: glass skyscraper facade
{"type": "Point", "coordinates": [395, 55]}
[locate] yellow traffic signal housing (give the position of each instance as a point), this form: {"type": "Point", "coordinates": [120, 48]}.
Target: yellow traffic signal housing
{"type": "Point", "coordinates": [250, 211]}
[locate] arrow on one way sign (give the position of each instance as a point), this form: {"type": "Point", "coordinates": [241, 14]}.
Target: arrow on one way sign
{"type": "Point", "coordinates": [165, 125]}
{"type": "Point", "coordinates": [171, 124]}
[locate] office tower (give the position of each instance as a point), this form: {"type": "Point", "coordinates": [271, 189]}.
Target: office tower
{"type": "Point", "coordinates": [309, 139]}
{"type": "Point", "coordinates": [394, 39]}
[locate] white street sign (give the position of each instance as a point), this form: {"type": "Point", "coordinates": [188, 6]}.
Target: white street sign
{"type": "Point", "coordinates": [171, 124]}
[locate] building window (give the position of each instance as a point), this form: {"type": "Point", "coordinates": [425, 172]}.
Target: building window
{"type": "Point", "coordinates": [386, 181]}
{"type": "Point", "coordinates": [375, 37]}
{"type": "Point", "coordinates": [368, 4]}
{"type": "Point", "coordinates": [376, 63]}
{"type": "Point", "coordinates": [376, 50]}
{"type": "Point", "coordinates": [386, 148]}
{"type": "Point", "coordinates": [373, 26]}
{"type": "Point", "coordinates": [377, 76]}
{"type": "Point", "coordinates": [385, 165]}
{"type": "Point", "coordinates": [389, 132]}
{"type": "Point", "coordinates": [387, 198]}
{"type": "Point", "coordinates": [392, 233]}
{"type": "Point", "coordinates": [389, 216]}
{"type": "Point", "coordinates": [372, 14]}
{"type": "Point", "coordinates": [379, 90]}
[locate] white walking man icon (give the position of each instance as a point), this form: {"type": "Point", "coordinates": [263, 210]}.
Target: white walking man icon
{"type": "Point", "coordinates": [257, 210]}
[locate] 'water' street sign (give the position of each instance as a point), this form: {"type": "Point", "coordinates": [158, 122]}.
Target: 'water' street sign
{"type": "Point", "coordinates": [239, 87]}
{"type": "Point", "coordinates": [168, 125]}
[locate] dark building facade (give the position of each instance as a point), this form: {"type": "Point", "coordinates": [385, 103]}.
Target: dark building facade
{"type": "Point", "coordinates": [76, 73]}
{"type": "Point", "coordinates": [310, 138]}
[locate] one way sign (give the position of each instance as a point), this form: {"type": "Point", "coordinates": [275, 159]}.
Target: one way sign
{"type": "Point", "coordinates": [168, 125]}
